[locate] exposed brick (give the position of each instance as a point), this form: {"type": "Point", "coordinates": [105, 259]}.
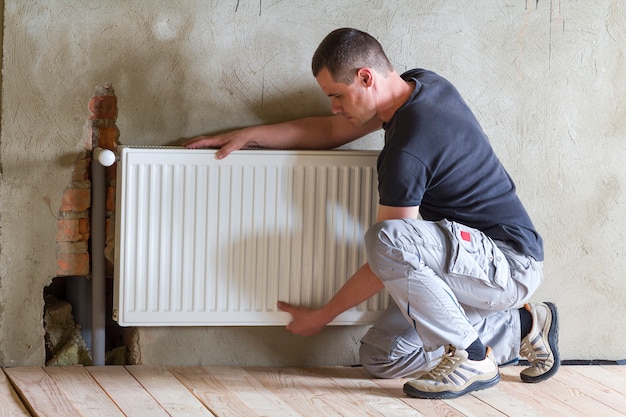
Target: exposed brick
{"type": "Point", "coordinates": [111, 174]}
{"type": "Point", "coordinates": [110, 226]}
{"type": "Point", "coordinates": [85, 185]}
{"type": "Point", "coordinates": [108, 138]}
{"type": "Point", "coordinates": [69, 264]}
{"type": "Point", "coordinates": [110, 199]}
{"type": "Point", "coordinates": [73, 230]}
{"type": "Point", "coordinates": [76, 199]}
{"type": "Point", "coordinates": [73, 227]}
{"type": "Point", "coordinates": [88, 136]}
{"type": "Point", "coordinates": [103, 107]}
{"type": "Point", "coordinates": [69, 215]}
{"type": "Point", "coordinates": [81, 169]}
{"type": "Point", "coordinates": [72, 247]}
{"type": "Point", "coordinates": [109, 247]}
{"type": "Point", "coordinates": [83, 226]}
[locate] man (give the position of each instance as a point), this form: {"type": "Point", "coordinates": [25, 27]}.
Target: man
{"type": "Point", "coordinates": [459, 274]}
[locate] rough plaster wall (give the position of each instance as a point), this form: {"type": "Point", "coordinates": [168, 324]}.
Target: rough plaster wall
{"type": "Point", "coordinates": [545, 78]}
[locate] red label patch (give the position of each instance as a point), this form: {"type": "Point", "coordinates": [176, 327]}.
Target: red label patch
{"type": "Point", "coordinates": [466, 236]}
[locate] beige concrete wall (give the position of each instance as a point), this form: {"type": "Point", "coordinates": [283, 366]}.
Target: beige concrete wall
{"type": "Point", "coordinates": [545, 78]}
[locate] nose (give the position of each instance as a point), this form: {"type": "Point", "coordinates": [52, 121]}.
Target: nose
{"type": "Point", "coordinates": [335, 108]}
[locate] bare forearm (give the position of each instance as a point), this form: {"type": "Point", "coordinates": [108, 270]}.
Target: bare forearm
{"type": "Point", "coordinates": [325, 132]}
{"type": "Point", "coordinates": [361, 286]}
{"type": "Point", "coordinates": [306, 321]}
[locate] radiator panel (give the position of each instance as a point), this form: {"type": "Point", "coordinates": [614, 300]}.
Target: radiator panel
{"type": "Point", "coordinates": [201, 241]}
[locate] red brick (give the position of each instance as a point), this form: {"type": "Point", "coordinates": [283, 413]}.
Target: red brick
{"type": "Point", "coordinates": [110, 174]}
{"type": "Point", "coordinates": [108, 138]}
{"type": "Point", "coordinates": [109, 229]}
{"type": "Point", "coordinates": [103, 107]}
{"type": "Point", "coordinates": [69, 264]}
{"type": "Point", "coordinates": [76, 199]}
{"type": "Point", "coordinates": [110, 202]}
{"type": "Point", "coordinates": [88, 137]}
{"type": "Point", "coordinates": [73, 230]}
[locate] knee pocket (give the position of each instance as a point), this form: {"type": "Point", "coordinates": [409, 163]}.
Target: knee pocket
{"type": "Point", "coordinates": [389, 346]}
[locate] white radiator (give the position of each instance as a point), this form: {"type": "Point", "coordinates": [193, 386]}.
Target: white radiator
{"type": "Point", "coordinates": [201, 241]}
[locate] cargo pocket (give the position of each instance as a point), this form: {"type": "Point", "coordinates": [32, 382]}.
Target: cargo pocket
{"type": "Point", "coordinates": [475, 255]}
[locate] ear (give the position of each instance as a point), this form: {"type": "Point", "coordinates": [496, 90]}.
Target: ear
{"type": "Point", "coordinates": [365, 77]}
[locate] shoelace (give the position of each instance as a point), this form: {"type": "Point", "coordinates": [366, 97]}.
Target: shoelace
{"type": "Point", "coordinates": [527, 351]}
{"type": "Point", "coordinates": [444, 367]}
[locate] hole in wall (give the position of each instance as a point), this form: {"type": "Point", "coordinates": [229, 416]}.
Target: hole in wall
{"type": "Point", "coordinates": [68, 299]}
{"type": "Point", "coordinates": [67, 324]}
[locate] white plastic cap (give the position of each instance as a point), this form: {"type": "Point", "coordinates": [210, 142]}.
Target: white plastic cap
{"type": "Point", "coordinates": [106, 157]}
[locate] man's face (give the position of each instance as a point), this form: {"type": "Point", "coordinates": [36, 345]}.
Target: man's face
{"type": "Point", "coordinates": [353, 101]}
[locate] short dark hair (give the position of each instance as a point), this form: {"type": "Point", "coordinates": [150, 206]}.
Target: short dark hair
{"type": "Point", "coordinates": [344, 51]}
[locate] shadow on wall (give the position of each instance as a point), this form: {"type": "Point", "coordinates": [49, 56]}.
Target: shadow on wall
{"type": "Point", "coordinates": [293, 105]}
{"type": "Point", "coordinates": [166, 97]}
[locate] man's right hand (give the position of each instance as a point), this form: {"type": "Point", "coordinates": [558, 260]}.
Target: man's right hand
{"type": "Point", "coordinates": [226, 142]}
{"type": "Point", "coordinates": [324, 132]}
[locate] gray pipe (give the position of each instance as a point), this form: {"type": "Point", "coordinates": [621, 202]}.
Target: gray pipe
{"type": "Point", "coordinates": [101, 158]}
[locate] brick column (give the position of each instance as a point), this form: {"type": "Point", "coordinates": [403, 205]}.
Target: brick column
{"type": "Point", "coordinates": [73, 230]}
{"type": "Point", "coordinates": [73, 224]}
{"type": "Point", "coordinates": [106, 135]}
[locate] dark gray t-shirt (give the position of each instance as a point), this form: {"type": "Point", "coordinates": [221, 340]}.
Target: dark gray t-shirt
{"type": "Point", "coordinates": [437, 156]}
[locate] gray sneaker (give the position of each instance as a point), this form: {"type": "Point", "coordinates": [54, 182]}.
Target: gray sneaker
{"type": "Point", "coordinates": [454, 376]}
{"type": "Point", "coordinates": [540, 346]}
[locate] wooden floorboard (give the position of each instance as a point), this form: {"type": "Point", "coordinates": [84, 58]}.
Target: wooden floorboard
{"type": "Point", "coordinates": [317, 392]}
{"type": "Point", "coordinates": [10, 404]}
{"type": "Point", "coordinates": [83, 391]}
{"type": "Point", "coordinates": [170, 393]}
{"type": "Point", "coordinates": [40, 392]}
{"type": "Point", "coordinates": [129, 395]}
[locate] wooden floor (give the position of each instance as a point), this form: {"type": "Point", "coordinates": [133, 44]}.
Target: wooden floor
{"type": "Point", "coordinates": [231, 391]}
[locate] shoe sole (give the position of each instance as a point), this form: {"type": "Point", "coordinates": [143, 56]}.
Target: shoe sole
{"type": "Point", "coordinates": [446, 395]}
{"type": "Point", "coordinates": [553, 341]}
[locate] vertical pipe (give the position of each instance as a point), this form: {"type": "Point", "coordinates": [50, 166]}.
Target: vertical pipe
{"type": "Point", "coordinates": [101, 158]}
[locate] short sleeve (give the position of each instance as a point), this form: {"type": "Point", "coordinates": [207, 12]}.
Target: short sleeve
{"type": "Point", "coordinates": [402, 179]}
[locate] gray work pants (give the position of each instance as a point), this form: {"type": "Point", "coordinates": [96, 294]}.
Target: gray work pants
{"type": "Point", "coordinates": [450, 284]}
